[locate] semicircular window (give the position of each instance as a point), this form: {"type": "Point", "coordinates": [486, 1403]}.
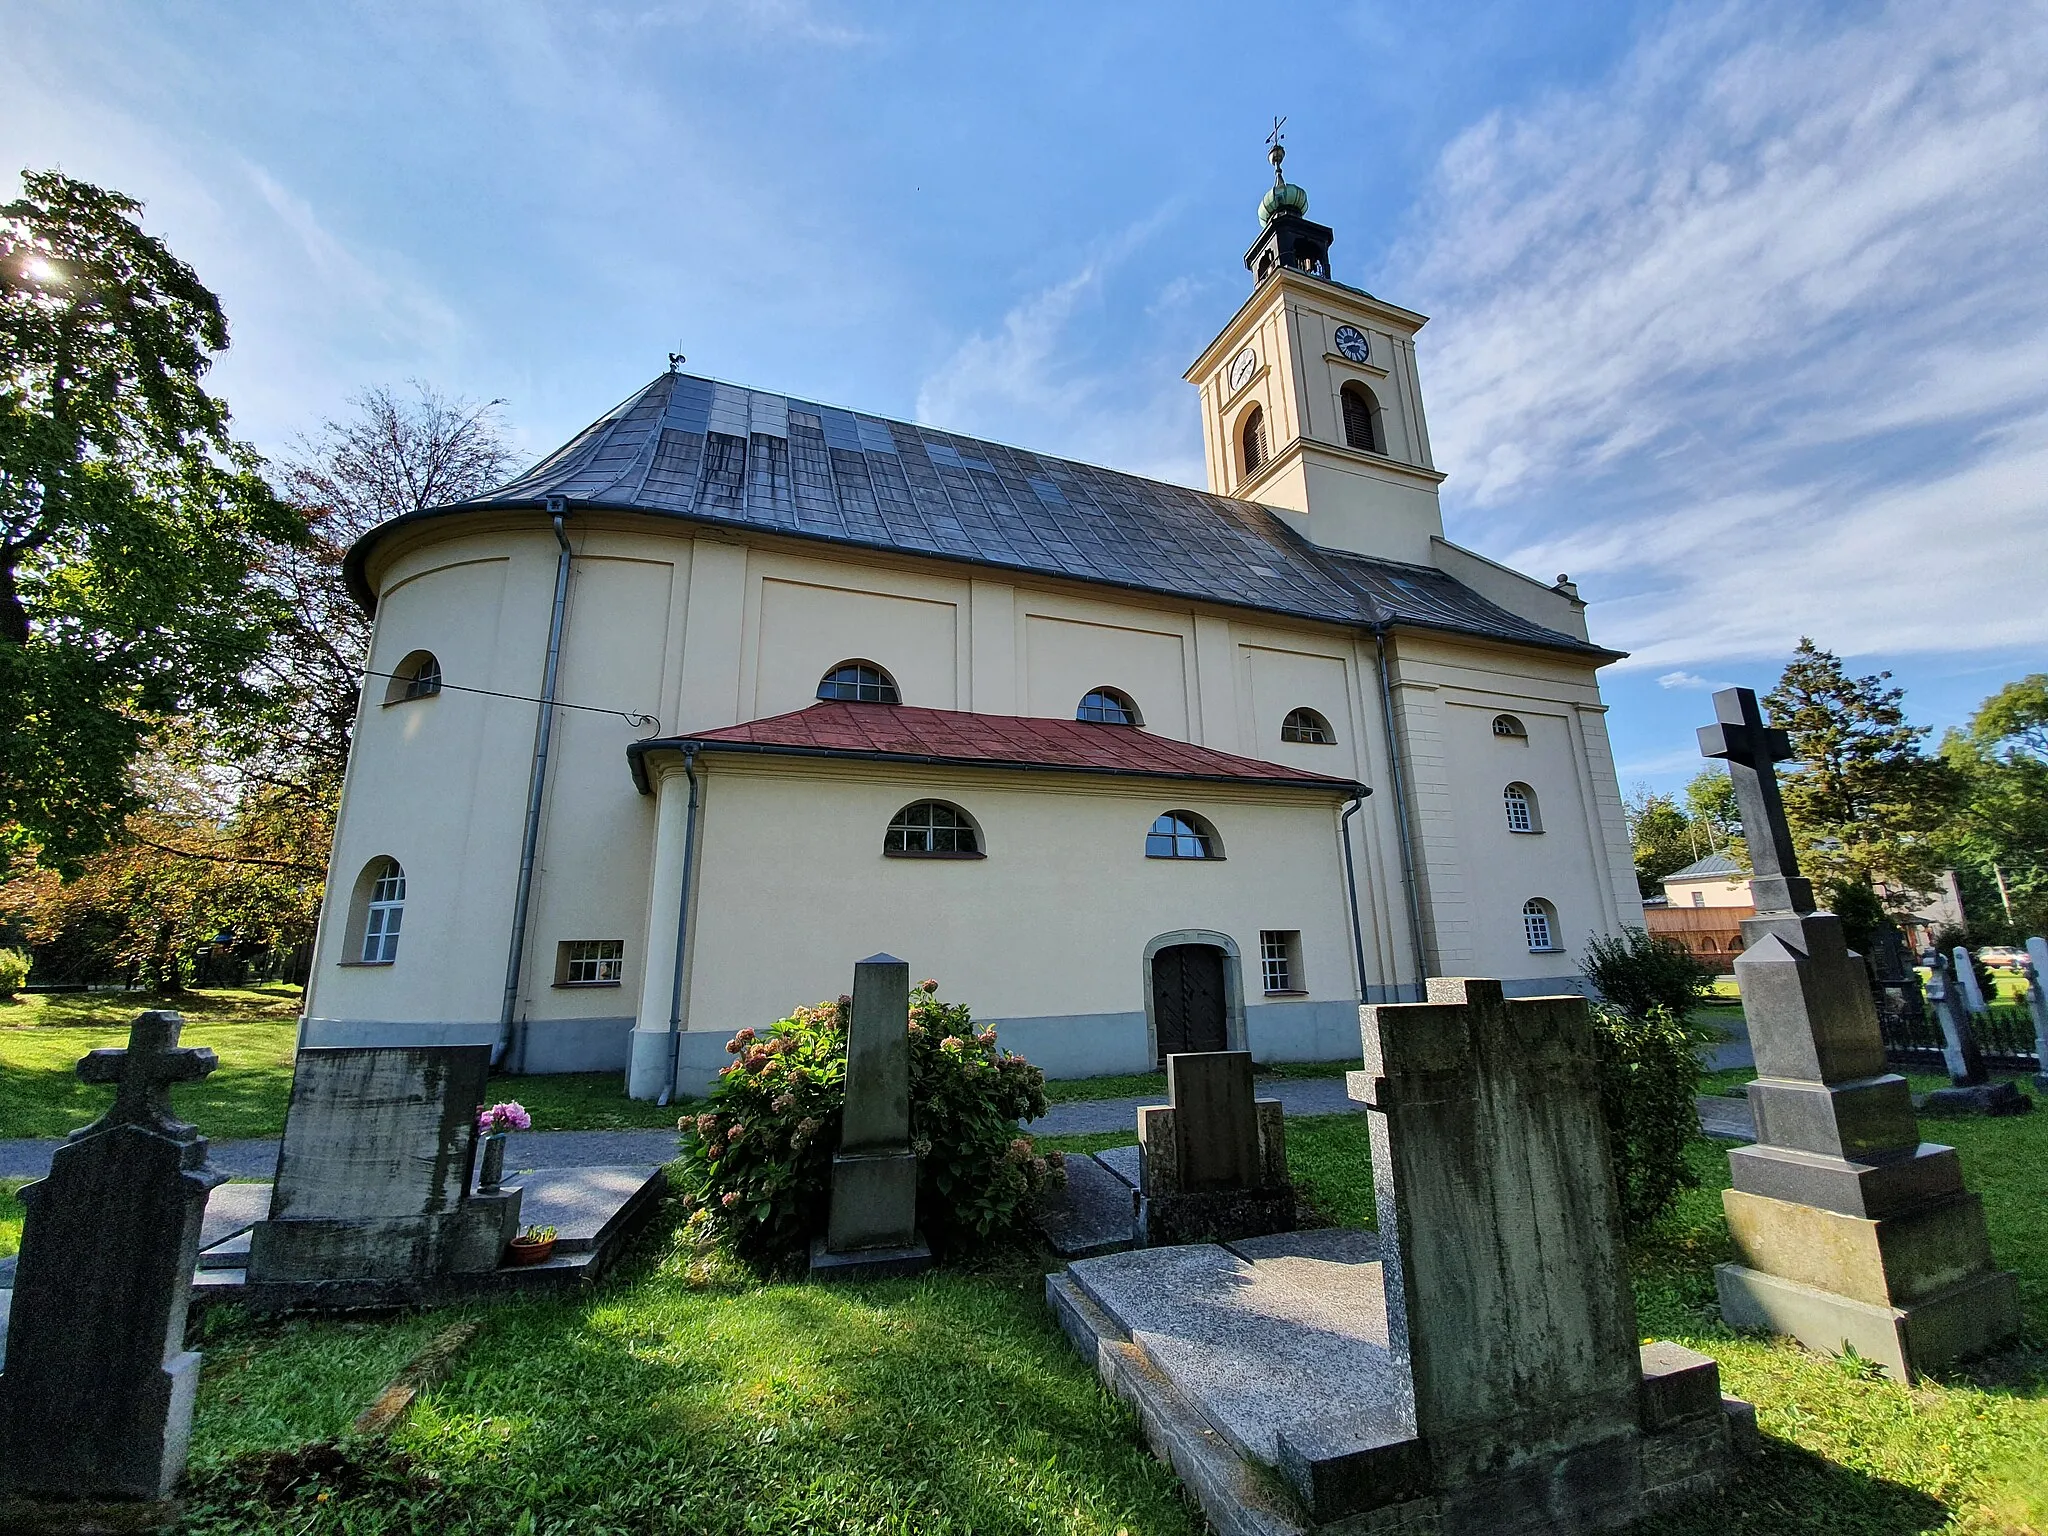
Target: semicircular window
{"type": "Point", "coordinates": [1182, 835]}
{"type": "Point", "coordinates": [416, 677]}
{"type": "Point", "coordinates": [1509, 727]}
{"type": "Point", "coordinates": [931, 829]}
{"type": "Point", "coordinates": [1308, 727]}
{"type": "Point", "coordinates": [859, 682]}
{"type": "Point", "coordinates": [1108, 706]}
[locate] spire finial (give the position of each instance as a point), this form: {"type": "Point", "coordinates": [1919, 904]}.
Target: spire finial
{"type": "Point", "coordinates": [1276, 151]}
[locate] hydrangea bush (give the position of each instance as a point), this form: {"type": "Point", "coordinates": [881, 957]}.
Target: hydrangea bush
{"type": "Point", "coordinates": [758, 1159]}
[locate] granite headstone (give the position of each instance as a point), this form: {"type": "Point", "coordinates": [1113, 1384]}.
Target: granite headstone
{"type": "Point", "coordinates": [1966, 983]}
{"type": "Point", "coordinates": [1212, 1163]}
{"type": "Point", "coordinates": [96, 1400]}
{"type": "Point", "coordinates": [2037, 1005]}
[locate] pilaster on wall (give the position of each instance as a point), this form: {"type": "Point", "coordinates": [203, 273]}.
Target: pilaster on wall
{"type": "Point", "coordinates": [1439, 871]}
{"type": "Point", "coordinates": [1611, 845]}
{"type": "Point", "coordinates": [714, 623]}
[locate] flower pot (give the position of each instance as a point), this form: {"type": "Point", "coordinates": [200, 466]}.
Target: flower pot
{"type": "Point", "coordinates": [521, 1251]}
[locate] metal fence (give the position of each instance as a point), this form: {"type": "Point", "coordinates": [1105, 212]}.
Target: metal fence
{"type": "Point", "coordinates": [1912, 1038]}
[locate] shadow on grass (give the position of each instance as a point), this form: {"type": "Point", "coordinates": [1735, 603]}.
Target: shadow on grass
{"type": "Point", "coordinates": [1789, 1491]}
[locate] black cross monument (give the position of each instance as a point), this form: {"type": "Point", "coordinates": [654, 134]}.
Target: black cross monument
{"type": "Point", "coordinates": [1752, 750]}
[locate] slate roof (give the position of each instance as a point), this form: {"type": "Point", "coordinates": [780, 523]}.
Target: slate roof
{"type": "Point", "coordinates": [955, 738]}
{"type": "Point", "coordinates": [694, 448]}
{"type": "Point", "coordinates": [1712, 866]}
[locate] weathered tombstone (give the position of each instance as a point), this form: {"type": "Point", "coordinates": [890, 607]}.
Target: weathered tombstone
{"type": "Point", "coordinates": [1851, 1231]}
{"type": "Point", "coordinates": [1959, 1049]}
{"type": "Point", "coordinates": [1895, 989]}
{"type": "Point", "coordinates": [1966, 981]}
{"type": "Point", "coordinates": [96, 1400]}
{"type": "Point", "coordinates": [1212, 1164]}
{"type": "Point", "coordinates": [872, 1230]}
{"type": "Point", "coordinates": [2037, 1006]}
{"type": "Point", "coordinates": [373, 1180]}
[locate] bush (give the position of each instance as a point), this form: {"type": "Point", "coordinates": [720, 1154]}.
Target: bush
{"type": "Point", "coordinates": [758, 1160]}
{"type": "Point", "coordinates": [1640, 972]}
{"type": "Point", "coordinates": [13, 972]}
{"type": "Point", "coordinates": [1649, 1073]}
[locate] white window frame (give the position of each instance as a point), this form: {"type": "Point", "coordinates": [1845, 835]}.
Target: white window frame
{"type": "Point", "coordinates": [1520, 806]}
{"type": "Point", "coordinates": [1539, 927]}
{"type": "Point", "coordinates": [383, 915]}
{"type": "Point", "coordinates": [1280, 961]}
{"type": "Point", "coordinates": [592, 963]}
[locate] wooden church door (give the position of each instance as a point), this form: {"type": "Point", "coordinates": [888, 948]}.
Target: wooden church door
{"type": "Point", "coordinates": [1187, 999]}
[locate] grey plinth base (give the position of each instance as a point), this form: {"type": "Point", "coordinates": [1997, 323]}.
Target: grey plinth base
{"type": "Point", "coordinates": [80, 1517]}
{"type": "Point", "coordinates": [1964, 1320]}
{"type": "Point", "coordinates": [1215, 1216]}
{"type": "Point", "coordinates": [1983, 1099]}
{"type": "Point", "coordinates": [870, 1263]}
{"type": "Point", "coordinates": [874, 1200]}
{"type": "Point", "coordinates": [470, 1239]}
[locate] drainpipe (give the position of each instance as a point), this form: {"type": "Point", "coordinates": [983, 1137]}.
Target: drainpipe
{"type": "Point", "coordinates": [1351, 885]}
{"type": "Point", "coordinates": [1401, 817]}
{"type": "Point", "coordinates": [675, 992]}
{"type": "Point", "coordinates": [536, 786]}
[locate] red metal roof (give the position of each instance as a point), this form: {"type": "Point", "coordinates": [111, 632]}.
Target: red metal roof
{"type": "Point", "coordinates": [897, 732]}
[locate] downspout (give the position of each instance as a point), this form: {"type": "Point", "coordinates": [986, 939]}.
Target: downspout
{"type": "Point", "coordinates": [1379, 639]}
{"type": "Point", "coordinates": [536, 786]}
{"type": "Point", "coordinates": [675, 991]}
{"type": "Point", "coordinates": [1351, 886]}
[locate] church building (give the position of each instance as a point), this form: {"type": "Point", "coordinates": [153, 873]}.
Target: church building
{"type": "Point", "coordinates": [735, 689]}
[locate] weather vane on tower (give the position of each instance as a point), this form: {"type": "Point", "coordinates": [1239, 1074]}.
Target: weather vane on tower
{"type": "Point", "coordinates": [1276, 151]}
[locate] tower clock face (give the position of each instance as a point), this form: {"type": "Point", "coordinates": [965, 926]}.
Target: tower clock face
{"type": "Point", "coordinates": [1351, 341]}
{"type": "Point", "coordinates": [1242, 367]}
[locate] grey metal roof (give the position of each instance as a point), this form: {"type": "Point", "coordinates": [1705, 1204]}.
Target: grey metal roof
{"type": "Point", "coordinates": [1714, 864]}
{"type": "Point", "coordinates": [696, 448]}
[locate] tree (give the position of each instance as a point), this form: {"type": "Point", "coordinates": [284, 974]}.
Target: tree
{"type": "Point", "coordinates": [130, 520]}
{"type": "Point", "coordinates": [1998, 840]}
{"type": "Point", "coordinates": [1865, 804]}
{"type": "Point", "coordinates": [1663, 836]}
{"type": "Point", "coordinates": [1710, 801]}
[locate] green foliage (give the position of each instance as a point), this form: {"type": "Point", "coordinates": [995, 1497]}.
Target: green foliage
{"type": "Point", "coordinates": [13, 973]}
{"type": "Point", "coordinates": [1668, 835]}
{"type": "Point", "coordinates": [1999, 841]}
{"type": "Point", "coordinates": [1649, 1073]}
{"type": "Point", "coordinates": [132, 525]}
{"type": "Point", "coordinates": [1864, 802]}
{"type": "Point", "coordinates": [1639, 972]}
{"type": "Point", "coordinates": [758, 1159]}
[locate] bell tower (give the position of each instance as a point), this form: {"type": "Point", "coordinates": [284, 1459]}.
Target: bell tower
{"type": "Point", "coordinates": [1310, 400]}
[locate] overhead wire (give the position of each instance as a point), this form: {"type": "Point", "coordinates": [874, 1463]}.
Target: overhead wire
{"type": "Point", "coordinates": [634, 718]}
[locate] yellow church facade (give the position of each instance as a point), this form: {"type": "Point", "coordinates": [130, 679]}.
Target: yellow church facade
{"type": "Point", "coordinates": [1128, 767]}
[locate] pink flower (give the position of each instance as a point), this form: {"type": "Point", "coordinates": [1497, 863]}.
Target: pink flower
{"type": "Point", "coordinates": [508, 1116]}
{"type": "Point", "coordinates": [986, 1037]}
{"type": "Point", "coordinates": [952, 1045]}
{"type": "Point", "coordinates": [782, 1102]}
{"type": "Point", "coordinates": [729, 1199]}
{"type": "Point", "coordinates": [735, 1133]}
{"type": "Point", "coordinates": [928, 985]}
{"type": "Point", "coordinates": [707, 1126]}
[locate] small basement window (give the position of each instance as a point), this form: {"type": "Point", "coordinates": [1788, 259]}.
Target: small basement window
{"type": "Point", "coordinates": [590, 962]}
{"type": "Point", "coordinates": [1280, 960]}
{"type": "Point", "coordinates": [416, 677]}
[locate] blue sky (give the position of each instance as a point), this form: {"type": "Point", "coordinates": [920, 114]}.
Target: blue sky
{"type": "Point", "coordinates": [1740, 311]}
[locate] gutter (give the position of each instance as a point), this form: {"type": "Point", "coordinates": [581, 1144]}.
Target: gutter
{"type": "Point", "coordinates": [1351, 887]}
{"type": "Point", "coordinates": [675, 993]}
{"type": "Point", "coordinates": [1401, 818]}
{"type": "Point", "coordinates": [536, 787]}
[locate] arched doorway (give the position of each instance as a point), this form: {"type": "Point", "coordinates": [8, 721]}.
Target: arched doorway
{"type": "Point", "coordinates": [1190, 999]}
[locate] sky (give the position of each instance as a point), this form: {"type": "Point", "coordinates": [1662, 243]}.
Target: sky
{"type": "Point", "coordinates": [1739, 311]}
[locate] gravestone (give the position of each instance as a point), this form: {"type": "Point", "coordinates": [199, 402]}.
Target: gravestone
{"type": "Point", "coordinates": [373, 1178]}
{"type": "Point", "coordinates": [96, 1400]}
{"type": "Point", "coordinates": [1212, 1163]}
{"type": "Point", "coordinates": [1960, 1052]}
{"type": "Point", "coordinates": [1966, 982]}
{"type": "Point", "coordinates": [1895, 988]}
{"type": "Point", "coordinates": [872, 1229]}
{"type": "Point", "coordinates": [2036, 971]}
{"type": "Point", "coordinates": [1850, 1230]}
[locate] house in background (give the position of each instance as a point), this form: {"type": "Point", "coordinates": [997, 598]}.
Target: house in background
{"type": "Point", "coordinates": [1703, 908]}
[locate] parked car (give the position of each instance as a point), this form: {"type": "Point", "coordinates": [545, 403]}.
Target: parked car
{"type": "Point", "coordinates": [2002, 957]}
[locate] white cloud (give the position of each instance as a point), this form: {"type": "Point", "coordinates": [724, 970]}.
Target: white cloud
{"type": "Point", "coordinates": [1759, 321]}
{"type": "Point", "coordinates": [1687, 680]}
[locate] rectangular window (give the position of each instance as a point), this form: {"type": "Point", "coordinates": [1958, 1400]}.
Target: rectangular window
{"type": "Point", "coordinates": [1699, 898]}
{"type": "Point", "coordinates": [380, 932]}
{"type": "Point", "coordinates": [590, 963]}
{"type": "Point", "coordinates": [1280, 960]}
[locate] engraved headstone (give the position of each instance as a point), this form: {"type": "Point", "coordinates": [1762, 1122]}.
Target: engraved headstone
{"type": "Point", "coordinates": [1895, 988]}
{"type": "Point", "coordinates": [872, 1229]}
{"type": "Point", "coordinates": [373, 1179]}
{"type": "Point", "coordinates": [1212, 1163]}
{"type": "Point", "coordinates": [1849, 1228]}
{"type": "Point", "coordinates": [96, 1399]}
{"type": "Point", "coordinates": [1960, 1052]}
{"type": "Point", "coordinates": [1966, 980]}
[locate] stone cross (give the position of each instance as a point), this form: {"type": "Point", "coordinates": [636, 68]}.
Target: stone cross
{"type": "Point", "coordinates": [1959, 1049]}
{"type": "Point", "coordinates": [2036, 971]}
{"type": "Point", "coordinates": [1752, 749]}
{"type": "Point", "coordinates": [1966, 982]}
{"type": "Point", "coordinates": [872, 1229]}
{"type": "Point", "coordinates": [96, 1401]}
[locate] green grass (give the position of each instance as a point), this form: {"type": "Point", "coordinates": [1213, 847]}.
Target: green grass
{"type": "Point", "coordinates": [586, 1101]}
{"type": "Point", "coordinates": [1134, 1085]}
{"type": "Point", "coordinates": [10, 1217]}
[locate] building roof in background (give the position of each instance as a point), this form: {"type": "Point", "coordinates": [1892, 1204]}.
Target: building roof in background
{"type": "Point", "coordinates": [956, 738]}
{"type": "Point", "coordinates": [1715, 866]}
{"type": "Point", "coordinates": [694, 448]}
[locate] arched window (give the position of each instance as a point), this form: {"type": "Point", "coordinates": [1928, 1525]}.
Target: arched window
{"type": "Point", "coordinates": [1307, 727]}
{"type": "Point", "coordinates": [1519, 801]}
{"type": "Point", "coordinates": [1108, 706]}
{"type": "Point", "coordinates": [1182, 835]}
{"type": "Point", "coordinates": [1539, 925]}
{"type": "Point", "coordinates": [931, 829]}
{"type": "Point", "coordinates": [375, 913]}
{"type": "Point", "coordinates": [1362, 425]}
{"type": "Point", "coordinates": [1509, 727]}
{"type": "Point", "coordinates": [859, 682]}
{"type": "Point", "coordinates": [416, 677]}
{"type": "Point", "coordinates": [1253, 436]}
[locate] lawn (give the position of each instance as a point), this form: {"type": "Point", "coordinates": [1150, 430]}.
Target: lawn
{"type": "Point", "coordinates": [1143, 1084]}
{"type": "Point", "coordinates": [254, 1031]}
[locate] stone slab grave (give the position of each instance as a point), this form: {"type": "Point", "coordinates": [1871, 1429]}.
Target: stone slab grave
{"type": "Point", "coordinates": [97, 1395]}
{"type": "Point", "coordinates": [872, 1229]}
{"type": "Point", "coordinates": [1851, 1231]}
{"type": "Point", "coordinates": [1212, 1162]}
{"type": "Point", "coordinates": [1474, 1366]}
